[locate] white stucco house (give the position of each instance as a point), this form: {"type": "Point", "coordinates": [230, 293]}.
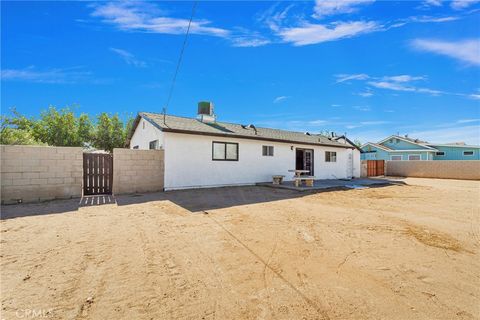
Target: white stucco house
{"type": "Point", "coordinates": [203, 152]}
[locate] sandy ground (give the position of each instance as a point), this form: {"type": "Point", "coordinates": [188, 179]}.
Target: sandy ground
{"type": "Point", "coordinates": [396, 252]}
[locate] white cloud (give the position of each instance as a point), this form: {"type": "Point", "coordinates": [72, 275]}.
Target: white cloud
{"type": "Point", "coordinates": [366, 123]}
{"type": "Point", "coordinates": [297, 30]}
{"type": "Point", "coordinates": [280, 99]}
{"type": "Point", "coordinates": [331, 7]}
{"type": "Point", "coordinates": [468, 134]}
{"type": "Point", "coordinates": [401, 87]}
{"type": "Point", "coordinates": [129, 58]}
{"type": "Point", "coordinates": [347, 77]}
{"type": "Point", "coordinates": [462, 4]}
{"type": "Point", "coordinates": [404, 78]}
{"type": "Point", "coordinates": [426, 19]}
{"type": "Point", "coordinates": [434, 3]}
{"type": "Point", "coordinates": [398, 83]}
{"type": "Point", "coordinates": [362, 76]}
{"type": "Point", "coordinates": [146, 17]}
{"type": "Point", "coordinates": [373, 123]}
{"type": "Point", "coordinates": [362, 108]}
{"type": "Point", "coordinates": [249, 41]}
{"type": "Point", "coordinates": [309, 33]}
{"type": "Point", "coordinates": [317, 122]}
{"type": "Point", "coordinates": [467, 120]}
{"type": "Point", "coordinates": [365, 94]}
{"type": "Point", "coordinates": [56, 75]}
{"type": "Point", "coordinates": [467, 51]}
{"type": "Point", "coordinates": [272, 18]}
{"type": "Point", "coordinates": [390, 85]}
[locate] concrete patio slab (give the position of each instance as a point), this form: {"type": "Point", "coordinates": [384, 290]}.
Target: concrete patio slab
{"type": "Point", "coordinates": [325, 184]}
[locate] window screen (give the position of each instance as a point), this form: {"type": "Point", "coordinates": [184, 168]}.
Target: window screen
{"type": "Point", "coordinates": [330, 156]}
{"type": "Point", "coordinates": [267, 151]}
{"type": "Point", "coordinates": [396, 158]}
{"type": "Point", "coordinates": [440, 153]}
{"type": "Point", "coordinates": [468, 153]}
{"type": "Point", "coordinates": [226, 151]}
{"type": "Point", "coordinates": [232, 151]}
{"type": "Point", "coordinates": [414, 157]}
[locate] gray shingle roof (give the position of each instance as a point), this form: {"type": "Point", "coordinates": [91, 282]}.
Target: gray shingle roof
{"type": "Point", "coordinates": [194, 126]}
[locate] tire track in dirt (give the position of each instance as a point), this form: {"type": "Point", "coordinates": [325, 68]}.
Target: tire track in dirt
{"type": "Point", "coordinates": [186, 292]}
{"type": "Point", "coordinates": [94, 274]}
{"type": "Point", "coordinates": [319, 308]}
{"type": "Point", "coordinates": [150, 295]}
{"type": "Point", "coordinates": [84, 282]}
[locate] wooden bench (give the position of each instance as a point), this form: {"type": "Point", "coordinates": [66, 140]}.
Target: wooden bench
{"type": "Point", "coordinates": [308, 181]}
{"type": "Point", "coordinates": [278, 179]}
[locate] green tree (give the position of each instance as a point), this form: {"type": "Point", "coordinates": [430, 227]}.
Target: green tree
{"type": "Point", "coordinates": [63, 128]}
{"type": "Point", "coordinates": [85, 130]}
{"type": "Point", "coordinates": [357, 142]}
{"type": "Point", "coordinates": [109, 132]}
{"type": "Point", "coordinates": [16, 130]}
{"type": "Point", "coordinates": [57, 128]}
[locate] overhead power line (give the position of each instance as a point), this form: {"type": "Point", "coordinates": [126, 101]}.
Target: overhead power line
{"type": "Point", "coordinates": [180, 58]}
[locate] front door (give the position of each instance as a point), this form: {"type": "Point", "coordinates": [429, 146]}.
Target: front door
{"type": "Point", "coordinates": [304, 160]}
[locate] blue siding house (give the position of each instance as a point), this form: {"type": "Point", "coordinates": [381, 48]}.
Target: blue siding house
{"type": "Point", "coordinates": [404, 148]}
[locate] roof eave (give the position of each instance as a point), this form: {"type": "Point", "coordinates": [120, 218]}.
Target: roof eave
{"type": "Point", "coordinates": [406, 140]}
{"type": "Point", "coordinates": [253, 138]}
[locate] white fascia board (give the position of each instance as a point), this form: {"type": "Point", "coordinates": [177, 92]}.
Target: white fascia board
{"type": "Point", "coordinates": [414, 150]}
{"type": "Point", "coordinates": [376, 146]}
{"type": "Point", "coordinates": [454, 146]}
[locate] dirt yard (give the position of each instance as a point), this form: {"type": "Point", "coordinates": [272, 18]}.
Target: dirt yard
{"type": "Point", "coordinates": [396, 252]}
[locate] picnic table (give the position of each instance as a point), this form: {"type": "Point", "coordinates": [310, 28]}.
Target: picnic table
{"type": "Point", "coordinates": [299, 178]}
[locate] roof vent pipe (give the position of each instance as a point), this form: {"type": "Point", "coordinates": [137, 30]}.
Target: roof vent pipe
{"type": "Point", "coordinates": [251, 126]}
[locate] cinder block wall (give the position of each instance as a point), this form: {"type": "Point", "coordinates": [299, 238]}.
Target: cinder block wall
{"type": "Point", "coordinates": [34, 173]}
{"type": "Point", "coordinates": [446, 169]}
{"type": "Point", "coordinates": [137, 170]}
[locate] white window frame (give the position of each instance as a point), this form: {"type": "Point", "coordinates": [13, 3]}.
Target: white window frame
{"type": "Point", "coordinates": [269, 151]}
{"type": "Point", "coordinates": [396, 155]}
{"type": "Point", "coordinates": [468, 155]}
{"type": "Point", "coordinates": [440, 155]}
{"type": "Point", "coordinates": [415, 155]}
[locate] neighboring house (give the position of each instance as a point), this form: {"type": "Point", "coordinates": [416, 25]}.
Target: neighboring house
{"type": "Point", "coordinates": [202, 152]}
{"type": "Point", "coordinates": [404, 148]}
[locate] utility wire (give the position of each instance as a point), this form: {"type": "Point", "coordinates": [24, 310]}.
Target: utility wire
{"type": "Point", "coordinates": [179, 60]}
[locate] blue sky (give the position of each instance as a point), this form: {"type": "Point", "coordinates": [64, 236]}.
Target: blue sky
{"type": "Point", "coordinates": [364, 67]}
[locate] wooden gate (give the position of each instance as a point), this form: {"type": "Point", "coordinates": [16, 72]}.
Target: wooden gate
{"type": "Point", "coordinates": [97, 173]}
{"type": "Point", "coordinates": [375, 168]}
